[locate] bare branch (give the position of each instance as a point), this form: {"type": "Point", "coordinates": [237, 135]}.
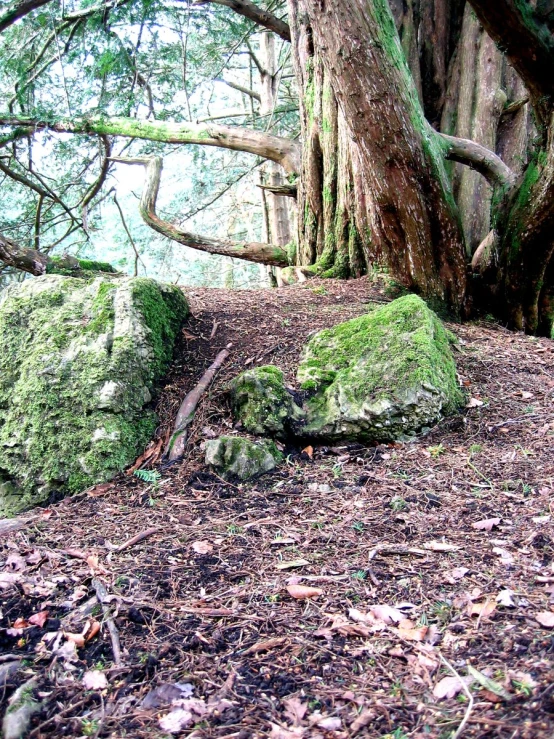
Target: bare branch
{"type": "Point", "coordinates": [480, 159]}
{"type": "Point", "coordinates": [278, 149]}
{"type": "Point", "coordinates": [19, 10]}
{"type": "Point", "coordinates": [27, 260]}
{"type": "Point", "coordinates": [253, 13]}
{"type": "Point", "coordinates": [240, 88]}
{"type": "Point", "coordinates": [251, 251]}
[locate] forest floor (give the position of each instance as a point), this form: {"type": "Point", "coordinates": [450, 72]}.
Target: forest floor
{"type": "Point", "coordinates": [433, 558]}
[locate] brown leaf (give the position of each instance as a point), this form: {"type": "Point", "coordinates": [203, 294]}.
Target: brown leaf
{"type": "Point", "coordinates": [487, 524]}
{"type": "Point", "coordinates": [202, 547]}
{"type": "Point", "coordinates": [474, 403]}
{"type": "Point", "coordinates": [387, 614]}
{"type": "Point", "coordinates": [483, 610]}
{"type": "Point", "coordinates": [39, 619]}
{"type": "Point", "coordinates": [292, 564]}
{"type": "Point", "coordinates": [20, 623]}
{"type": "Point", "coordinates": [265, 646]}
{"type": "Point", "coordinates": [301, 592]}
{"type": "Point", "coordinates": [449, 687]}
{"type": "Point", "coordinates": [295, 710]}
{"type": "Point", "coordinates": [91, 629]}
{"type": "Point", "coordinates": [363, 720]}
{"type": "Point", "coordinates": [309, 450]}
{"type": "Point", "coordinates": [409, 631]}
{"type": "Point", "coordinates": [440, 546]}
{"type": "Point", "coordinates": [95, 680]}
{"type": "Point", "coordinates": [77, 639]}
{"type": "Point", "coordinates": [546, 619]}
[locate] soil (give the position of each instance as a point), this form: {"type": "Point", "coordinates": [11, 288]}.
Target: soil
{"type": "Point", "coordinates": [432, 559]}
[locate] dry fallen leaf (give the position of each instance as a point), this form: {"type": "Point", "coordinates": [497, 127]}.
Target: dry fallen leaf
{"type": "Point", "coordinates": [546, 619]}
{"type": "Point", "coordinates": [292, 564]}
{"type": "Point", "coordinates": [487, 524]}
{"type": "Point", "coordinates": [409, 631]}
{"type": "Point", "coordinates": [301, 592]}
{"type": "Point", "coordinates": [309, 450]}
{"type": "Point", "coordinates": [202, 547]}
{"type": "Point", "coordinates": [449, 687]}
{"type": "Point", "coordinates": [387, 614]}
{"type": "Point", "coordinates": [474, 403]}
{"type": "Point", "coordinates": [95, 680]}
{"type": "Point", "coordinates": [39, 619]}
{"type": "Point", "coordinates": [504, 598]}
{"type": "Point", "coordinates": [77, 639]}
{"type": "Point", "coordinates": [440, 546]}
{"type": "Point", "coordinates": [504, 554]}
{"type": "Point", "coordinates": [176, 721]}
{"type": "Point", "coordinates": [295, 710]}
{"type": "Point", "coordinates": [483, 610]}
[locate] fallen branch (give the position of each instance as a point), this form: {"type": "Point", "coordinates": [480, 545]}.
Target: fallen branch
{"type": "Point", "coordinates": [102, 594]}
{"type": "Point", "coordinates": [176, 445]}
{"type": "Point", "coordinates": [135, 539]}
{"type": "Point", "coordinates": [466, 690]}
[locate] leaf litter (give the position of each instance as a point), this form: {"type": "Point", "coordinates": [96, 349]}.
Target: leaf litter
{"type": "Point", "coordinates": [399, 587]}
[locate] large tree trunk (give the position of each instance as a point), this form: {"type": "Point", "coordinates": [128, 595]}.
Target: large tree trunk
{"type": "Point", "coordinates": [404, 196]}
{"type": "Point", "coordinates": [328, 238]}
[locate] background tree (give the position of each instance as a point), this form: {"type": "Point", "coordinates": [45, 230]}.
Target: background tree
{"type": "Point", "coordinates": [396, 101]}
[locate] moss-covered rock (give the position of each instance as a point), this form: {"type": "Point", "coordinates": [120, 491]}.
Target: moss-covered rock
{"type": "Point", "coordinates": [261, 402]}
{"type": "Point", "coordinates": [79, 360]}
{"type": "Point", "coordinates": [235, 456]}
{"type": "Point", "coordinates": [380, 377]}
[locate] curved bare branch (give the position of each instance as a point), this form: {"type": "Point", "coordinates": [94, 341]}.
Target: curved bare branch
{"type": "Point", "coordinates": [19, 10]}
{"type": "Point", "coordinates": [479, 158]}
{"type": "Point", "coordinates": [284, 151]}
{"type": "Point", "coordinates": [251, 251]}
{"type": "Point", "coordinates": [254, 13]}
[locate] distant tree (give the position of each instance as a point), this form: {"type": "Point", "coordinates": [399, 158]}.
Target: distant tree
{"type": "Point", "coordinates": [426, 131]}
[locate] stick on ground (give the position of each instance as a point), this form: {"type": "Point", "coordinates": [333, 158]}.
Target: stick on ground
{"type": "Point", "coordinates": [102, 594]}
{"type": "Point", "coordinates": [176, 445]}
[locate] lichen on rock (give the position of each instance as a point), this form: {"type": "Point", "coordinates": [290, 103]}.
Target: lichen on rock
{"type": "Point", "coordinates": [261, 402]}
{"type": "Point", "coordinates": [79, 361]}
{"type": "Point", "coordinates": [379, 377]}
{"type": "Point", "coordinates": [239, 457]}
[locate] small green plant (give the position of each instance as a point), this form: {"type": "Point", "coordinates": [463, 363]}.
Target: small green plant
{"type": "Point", "coordinates": [441, 611]}
{"type": "Point", "coordinates": [436, 451]}
{"type": "Point", "coordinates": [275, 598]}
{"type": "Point", "coordinates": [317, 525]}
{"type": "Point", "coordinates": [319, 290]}
{"type": "Point", "coordinates": [396, 689]}
{"type": "Point", "coordinates": [359, 575]}
{"type": "Point", "coordinates": [475, 448]}
{"type": "Point", "coordinates": [398, 504]}
{"type": "Point", "coordinates": [336, 470]}
{"type": "Point", "coordinates": [358, 526]}
{"type": "Point", "coordinates": [89, 727]}
{"type": "Point", "coordinates": [232, 528]}
{"type": "Point", "coordinates": [152, 476]}
{"type": "Point", "coordinates": [286, 321]}
{"type": "Point", "coordinates": [523, 687]}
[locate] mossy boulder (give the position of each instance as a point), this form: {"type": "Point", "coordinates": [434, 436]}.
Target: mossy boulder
{"type": "Point", "coordinates": [239, 457]}
{"type": "Point", "coordinates": [79, 360]}
{"type": "Point", "coordinates": [261, 402]}
{"type": "Point", "coordinates": [383, 376]}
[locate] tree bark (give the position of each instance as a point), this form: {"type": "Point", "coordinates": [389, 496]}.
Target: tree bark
{"type": "Point", "coordinates": [19, 10]}
{"type": "Point", "coordinates": [254, 13]}
{"type": "Point", "coordinates": [251, 251]}
{"type": "Point", "coordinates": [19, 257]}
{"type": "Point", "coordinates": [281, 150]}
{"type": "Point", "coordinates": [405, 196]}
{"type": "Point", "coordinates": [526, 39]}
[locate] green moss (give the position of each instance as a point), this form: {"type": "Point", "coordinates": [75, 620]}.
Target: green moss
{"type": "Point", "coordinates": [75, 373]}
{"type": "Point", "coordinates": [234, 456]}
{"type": "Point", "coordinates": [395, 356]}
{"type": "Point", "coordinates": [261, 402]}
{"type": "Point", "coordinates": [72, 267]}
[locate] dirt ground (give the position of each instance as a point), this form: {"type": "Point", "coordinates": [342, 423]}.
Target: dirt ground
{"type": "Point", "coordinates": [433, 609]}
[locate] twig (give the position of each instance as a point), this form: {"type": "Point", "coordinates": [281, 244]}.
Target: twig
{"type": "Point", "coordinates": [102, 594]}
{"type": "Point", "coordinates": [176, 445]}
{"type": "Point", "coordinates": [467, 691]}
{"type": "Point", "coordinates": [214, 329]}
{"type": "Point", "coordinates": [135, 539]}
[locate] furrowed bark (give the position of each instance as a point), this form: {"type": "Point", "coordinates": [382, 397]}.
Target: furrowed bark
{"type": "Point", "coordinates": [527, 41]}
{"type": "Point", "coordinates": [278, 149]}
{"type": "Point", "coordinates": [251, 251]}
{"type": "Point", "coordinates": [19, 257]}
{"type": "Point", "coordinates": [253, 13]}
{"type": "Point", "coordinates": [410, 210]}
